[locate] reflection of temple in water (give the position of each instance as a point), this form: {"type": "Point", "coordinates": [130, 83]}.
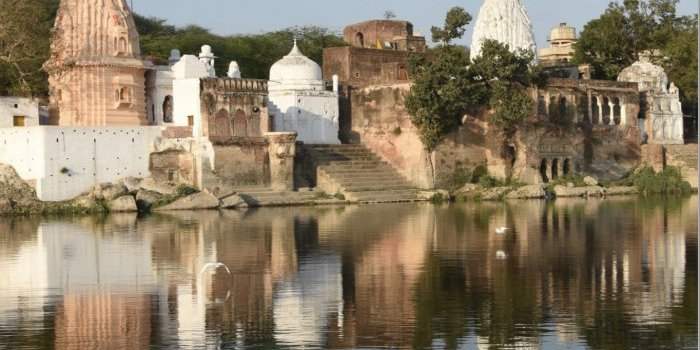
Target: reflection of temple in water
{"type": "Point", "coordinates": [401, 276]}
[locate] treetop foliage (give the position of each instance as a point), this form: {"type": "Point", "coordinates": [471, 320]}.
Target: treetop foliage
{"type": "Point", "coordinates": [447, 85]}
{"type": "Point", "coordinates": [615, 40]}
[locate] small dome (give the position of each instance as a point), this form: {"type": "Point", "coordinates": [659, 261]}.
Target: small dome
{"type": "Point", "coordinates": [295, 69]}
{"type": "Point", "coordinates": [648, 75]}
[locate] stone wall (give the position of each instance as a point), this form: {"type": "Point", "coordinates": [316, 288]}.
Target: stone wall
{"type": "Point", "coordinates": [360, 67]}
{"type": "Point", "coordinates": [560, 138]}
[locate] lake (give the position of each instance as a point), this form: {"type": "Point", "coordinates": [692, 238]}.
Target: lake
{"type": "Point", "coordinates": [572, 274]}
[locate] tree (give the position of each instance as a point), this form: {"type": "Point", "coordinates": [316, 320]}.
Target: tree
{"type": "Point", "coordinates": [455, 22]}
{"type": "Point", "coordinates": [25, 27]}
{"type": "Point", "coordinates": [614, 41]}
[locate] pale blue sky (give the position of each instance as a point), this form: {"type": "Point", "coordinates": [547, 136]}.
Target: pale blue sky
{"type": "Point", "coordinates": [255, 16]}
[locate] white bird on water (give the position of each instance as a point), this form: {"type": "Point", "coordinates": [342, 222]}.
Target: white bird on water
{"type": "Point", "coordinates": [215, 265]}
{"type": "Point", "coordinates": [501, 230]}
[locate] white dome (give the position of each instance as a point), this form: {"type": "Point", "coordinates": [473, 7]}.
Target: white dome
{"type": "Point", "coordinates": [296, 70]}
{"type": "Point", "coordinates": [648, 75]}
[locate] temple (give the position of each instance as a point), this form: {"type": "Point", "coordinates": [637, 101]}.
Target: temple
{"type": "Point", "coordinates": [505, 21]}
{"type": "Point", "coordinates": [96, 74]}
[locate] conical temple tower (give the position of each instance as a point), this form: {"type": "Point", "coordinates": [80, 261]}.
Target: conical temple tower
{"type": "Point", "coordinates": [505, 21]}
{"type": "Point", "coordinates": [96, 75]}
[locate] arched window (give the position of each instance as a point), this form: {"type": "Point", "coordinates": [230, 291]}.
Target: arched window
{"type": "Point", "coordinates": [553, 108]}
{"type": "Point", "coordinates": [222, 125]}
{"type": "Point", "coordinates": [562, 108]}
{"type": "Point", "coordinates": [360, 40]}
{"type": "Point", "coordinates": [168, 109]}
{"type": "Point", "coordinates": [122, 45]}
{"type": "Point", "coordinates": [240, 124]}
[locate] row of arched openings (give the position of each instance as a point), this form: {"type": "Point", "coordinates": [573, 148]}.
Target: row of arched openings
{"type": "Point", "coordinates": [550, 168]}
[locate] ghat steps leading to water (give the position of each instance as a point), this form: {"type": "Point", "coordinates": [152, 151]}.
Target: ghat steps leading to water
{"type": "Point", "coordinates": [359, 174]}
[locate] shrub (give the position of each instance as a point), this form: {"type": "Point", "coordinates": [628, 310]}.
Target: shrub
{"type": "Point", "coordinates": [668, 181]}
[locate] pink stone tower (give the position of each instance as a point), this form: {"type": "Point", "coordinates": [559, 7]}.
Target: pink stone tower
{"type": "Point", "coordinates": [96, 74]}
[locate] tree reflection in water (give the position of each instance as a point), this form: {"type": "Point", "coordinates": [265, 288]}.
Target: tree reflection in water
{"type": "Point", "coordinates": [619, 273]}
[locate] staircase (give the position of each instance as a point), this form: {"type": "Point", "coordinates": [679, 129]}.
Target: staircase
{"type": "Point", "coordinates": [358, 174]}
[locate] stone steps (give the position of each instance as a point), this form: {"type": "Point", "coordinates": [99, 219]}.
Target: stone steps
{"type": "Point", "coordinates": [359, 174]}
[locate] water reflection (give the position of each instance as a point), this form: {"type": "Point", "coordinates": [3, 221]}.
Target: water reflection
{"type": "Point", "coordinates": [577, 274]}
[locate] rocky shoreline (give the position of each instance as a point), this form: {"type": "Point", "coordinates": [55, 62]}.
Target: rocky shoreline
{"type": "Point", "coordinates": [147, 195]}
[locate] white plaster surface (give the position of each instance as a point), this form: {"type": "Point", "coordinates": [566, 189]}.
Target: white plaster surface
{"type": "Point", "coordinates": [159, 85]}
{"type": "Point", "coordinates": [18, 106]}
{"type": "Point", "coordinates": [64, 162]}
{"type": "Point", "coordinates": [299, 101]}
{"type": "Point", "coordinates": [506, 21]}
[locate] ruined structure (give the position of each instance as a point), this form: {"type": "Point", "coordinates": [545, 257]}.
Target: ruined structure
{"type": "Point", "coordinates": [505, 21]}
{"type": "Point", "coordinates": [378, 53]}
{"type": "Point", "coordinates": [300, 101]}
{"type": "Point", "coordinates": [96, 75]}
{"type": "Point", "coordinates": [661, 107]}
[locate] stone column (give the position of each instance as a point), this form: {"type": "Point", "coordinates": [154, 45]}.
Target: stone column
{"type": "Point", "coordinates": [560, 167]}
{"type": "Point", "coordinates": [601, 113]}
{"type": "Point", "coordinates": [548, 171]}
{"type": "Point", "coordinates": [282, 149]}
{"type": "Point", "coordinates": [611, 105]}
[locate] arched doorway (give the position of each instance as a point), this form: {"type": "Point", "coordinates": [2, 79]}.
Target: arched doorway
{"type": "Point", "coordinates": [555, 168]}
{"type": "Point", "coordinates": [595, 109]}
{"type": "Point", "coordinates": [617, 111]}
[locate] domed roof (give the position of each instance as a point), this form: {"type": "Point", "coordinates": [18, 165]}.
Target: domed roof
{"type": "Point", "coordinates": [295, 68]}
{"type": "Point", "coordinates": [648, 75]}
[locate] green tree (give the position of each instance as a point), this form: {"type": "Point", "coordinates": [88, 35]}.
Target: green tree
{"type": "Point", "coordinates": [455, 22]}
{"type": "Point", "coordinates": [614, 41]}
{"type": "Point", "coordinates": [25, 27]}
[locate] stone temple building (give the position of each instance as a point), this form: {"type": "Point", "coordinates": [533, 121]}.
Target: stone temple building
{"type": "Point", "coordinates": [96, 74]}
{"type": "Point", "coordinates": [661, 107]}
{"type": "Point", "coordinates": [299, 100]}
{"type": "Point", "coordinates": [506, 21]}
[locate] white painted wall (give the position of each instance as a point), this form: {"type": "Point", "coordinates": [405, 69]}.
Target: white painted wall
{"type": "Point", "coordinates": [313, 115]}
{"type": "Point", "coordinates": [18, 106]}
{"type": "Point", "coordinates": [89, 156]}
{"type": "Point", "coordinates": [186, 94]}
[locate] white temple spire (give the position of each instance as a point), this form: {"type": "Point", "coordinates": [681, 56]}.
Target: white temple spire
{"type": "Point", "coordinates": [505, 21]}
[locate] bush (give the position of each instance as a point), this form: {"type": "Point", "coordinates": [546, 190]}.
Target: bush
{"type": "Point", "coordinates": [668, 181]}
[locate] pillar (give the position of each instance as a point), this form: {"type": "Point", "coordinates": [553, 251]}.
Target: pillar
{"type": "Point", "coordinates": [590, 106]}
{"type": "Point", "coordinates": [601, 113]}
{"type": "Point", "coordinates": [611, 105]}
{"type": "Point", "coordinates": [560, 167]}
{"type": "Point", "coordinates": [282, 149]}
{"type": "Point", "coordinates": [548, 170]}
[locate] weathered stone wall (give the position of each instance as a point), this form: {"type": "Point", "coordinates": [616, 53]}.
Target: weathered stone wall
{"type": "Point", "coordinates": [377, 33]}
{"type": "Point", "coordinates": [560, 137]}
{"type": "Point", "coordinates": [359, 67]}
{"type": "Point", "coordinates": [241, 164]}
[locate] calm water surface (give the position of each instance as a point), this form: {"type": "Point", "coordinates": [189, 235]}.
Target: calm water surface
{"type": "Point", "coordinates": [616, 274]}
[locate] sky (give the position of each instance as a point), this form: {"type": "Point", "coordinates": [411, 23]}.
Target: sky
{"type": "Point", "coordinates": [257, 16]}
